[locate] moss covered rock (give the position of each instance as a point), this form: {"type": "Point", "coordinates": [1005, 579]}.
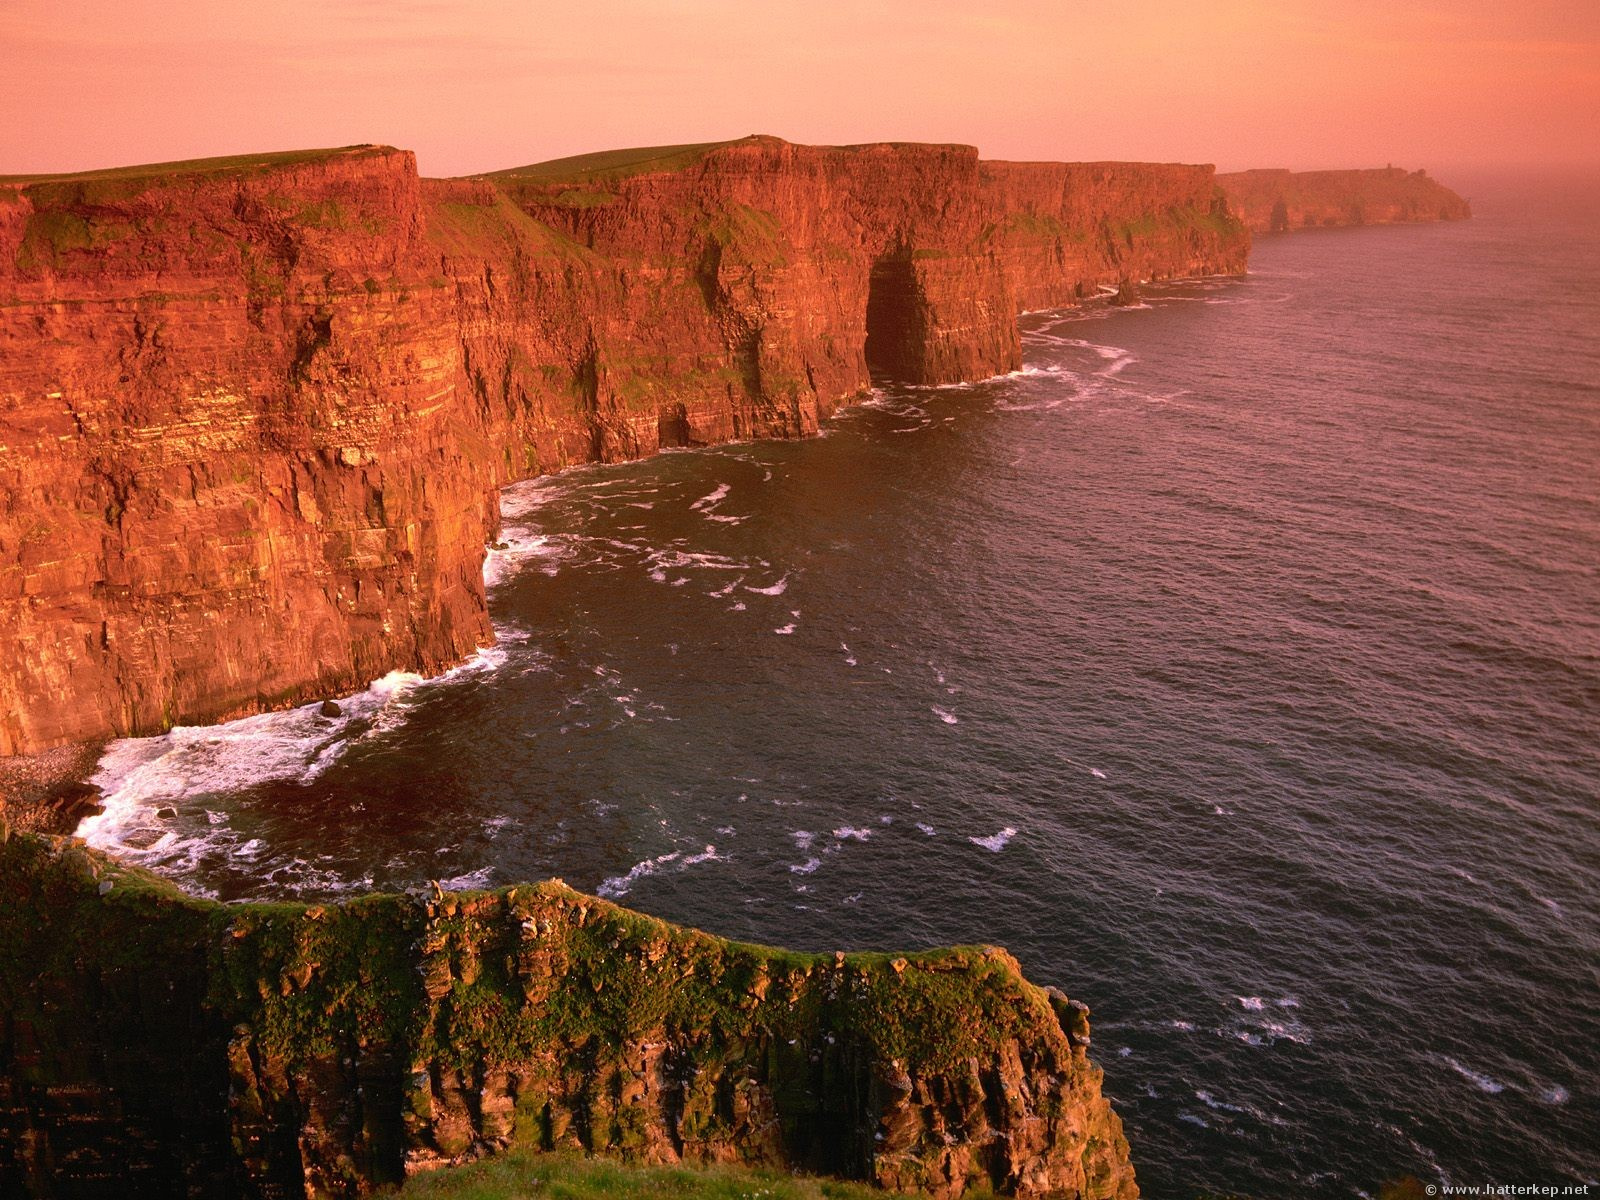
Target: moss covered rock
{"type": "Point", "coordinates": [152, 1042]}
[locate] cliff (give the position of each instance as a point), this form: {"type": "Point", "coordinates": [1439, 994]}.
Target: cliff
{"type": "Point", "coordinates": [153, 1044]}
{"type": "Point", "coordinates": [1272, 201]}
{"type": "Point", "coordinates": [254, 413]}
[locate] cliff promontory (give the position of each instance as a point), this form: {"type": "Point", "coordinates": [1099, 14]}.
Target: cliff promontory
{"type": "Point", "coordinates": [1272, 201]}
{"type": "Point", "coordinates": [154, 1044]}
{"type": "Point", "coordinates": [255, 412]}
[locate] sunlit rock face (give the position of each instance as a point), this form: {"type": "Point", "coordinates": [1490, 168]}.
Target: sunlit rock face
{"type": "Point", "coordinates": [254, 413]}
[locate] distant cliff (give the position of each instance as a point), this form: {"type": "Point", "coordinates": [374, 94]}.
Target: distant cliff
{"type": "Point", "coordinates": [1280, 201]}
{"type": "Point", "coordinates": [254, 412]}
{"type": "Point", "coordinates": [154, 1044]}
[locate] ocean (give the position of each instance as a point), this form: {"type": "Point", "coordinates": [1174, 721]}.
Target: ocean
{"type": "Point", "coordinates": [1236, 665]}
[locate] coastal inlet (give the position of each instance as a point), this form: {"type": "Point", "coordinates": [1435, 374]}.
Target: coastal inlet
{"type": "Point", "coordinates": [1233, 663]}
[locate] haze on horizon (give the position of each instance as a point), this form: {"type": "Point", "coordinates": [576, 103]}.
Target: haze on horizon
{"type": "Point", "coordinates": [476, 85]}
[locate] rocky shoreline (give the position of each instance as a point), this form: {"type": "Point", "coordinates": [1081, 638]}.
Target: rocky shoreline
{"type": "Point", "coordinates": [49, 792]}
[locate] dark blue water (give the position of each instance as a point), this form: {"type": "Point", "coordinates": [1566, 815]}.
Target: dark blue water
{"type": "Point", "coordinates": [1237, 666]}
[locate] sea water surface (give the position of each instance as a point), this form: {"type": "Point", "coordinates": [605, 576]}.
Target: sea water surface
{"type": "Point", "coordinates": [1236, 664]}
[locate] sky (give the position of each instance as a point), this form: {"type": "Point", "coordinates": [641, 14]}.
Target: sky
{"type": "Point", "coordinates": [477, 85]}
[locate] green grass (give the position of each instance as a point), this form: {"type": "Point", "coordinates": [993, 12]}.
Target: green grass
{"type": "Point", "coordinates": [487, 229]}
{"type": "Point", "coordinates": [523, 1176]}
{"type": "Point", "coordinates": [616, 164]}
{"type": "Point", "coordinates": [534, 981]}
{"type": "Point", "coordinates": [577, 198]}
{"type": "Point", "coordinates": [637, 160]}
{"type": "Point", "coordinates": [237, 164]}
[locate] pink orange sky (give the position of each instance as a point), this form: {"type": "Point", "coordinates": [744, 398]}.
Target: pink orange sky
{"type": "Point", "coordinates": [474, 85]}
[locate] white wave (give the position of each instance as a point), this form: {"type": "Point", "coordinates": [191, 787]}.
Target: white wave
{"type": "Point", "coordinates": [1554, 1094]}
{"type": "Point", "coordinates": [712, 499]}
{"type": "Point", "coordinates": [139, 776]}
{"type": "Point", "coordinates": [706, 506]}
{"type": "Point", "coordinates": [470, 881]}
{"type": "Point", "coordinates": [677, 559]}
{"type": "Point", "coordinates": [789, 628]}
{"type": "Point", "coordinates": [849, 833]}
{"type": "Point", "coordinates": [1254, 1003]}
{"type": "Point", "coordinates": [777, 589]}
{"type": "Point", "coordinates": [849, 658]}
{"type": "Point", "coordinates": [1276, 1031]}
{"type": "Point", "coordinates": [299, 877]}
{"type": "Point", "coordinates": [949, 718]}
{"type": "Point", "coordinates": [996, 842]}
{"type": "Point", "coordinates": [1097, 772]}
{"type": "Point", "coordinates": [1212, 1102]}
{"type": "Point", "coordinates": [618, 885]}
{"type": "Point", "coordinates": [807, 867]}
{"type": "Point", "coordinates": [1484, 1083]}
{"type": "Point", "coordinates": [927, 830]}
{"type": "Point", "coordinates": [517, 548]}
{"type": "Point", "coordinates": [522, 500]}
{"type": "Point", "coordinates": [803, 838]}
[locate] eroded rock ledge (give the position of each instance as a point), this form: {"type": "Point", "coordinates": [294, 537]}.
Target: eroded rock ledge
{"type": "Point", "coordinates": [255, 412]}
{"type": "Point", "coordinates": [154, 1044]}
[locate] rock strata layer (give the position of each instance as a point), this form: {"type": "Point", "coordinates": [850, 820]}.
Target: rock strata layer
{"type": "Point", "coordinates": [154, 1044]}
{"type": "Point", "coordinates": [254, 413]}
{"type": "Point", "coordinates": [1271, 201]}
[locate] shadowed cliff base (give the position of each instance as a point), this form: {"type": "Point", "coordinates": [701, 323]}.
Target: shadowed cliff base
{"type": "Point", "coordinates": [255, 412]}
{"type": "Point", "coordinates": [152, 1043]}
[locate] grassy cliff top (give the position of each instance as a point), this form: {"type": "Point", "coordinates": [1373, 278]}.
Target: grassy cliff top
{"type": "Point", "coordinates": [566, 1176]}
{"type": "Point", "coordinates": [1280, 173]}
{"type": "Point", "coordinates": [638, 160]}
{"type": "Point", "coordinates": [634, 160]}
{"type": "Point", "coordinates": [236, 164]}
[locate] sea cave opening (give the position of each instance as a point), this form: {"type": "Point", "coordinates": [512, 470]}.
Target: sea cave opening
{"type": "Point", "coordinates": [894, 321]}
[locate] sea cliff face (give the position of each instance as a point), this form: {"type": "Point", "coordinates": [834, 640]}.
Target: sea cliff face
{"type": "Point", "coordinates": [1271, 201]}
{"type": "Point", "coordinates": [254, 413]}
{"type": "Point", "coordinates": [154, 1044]}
